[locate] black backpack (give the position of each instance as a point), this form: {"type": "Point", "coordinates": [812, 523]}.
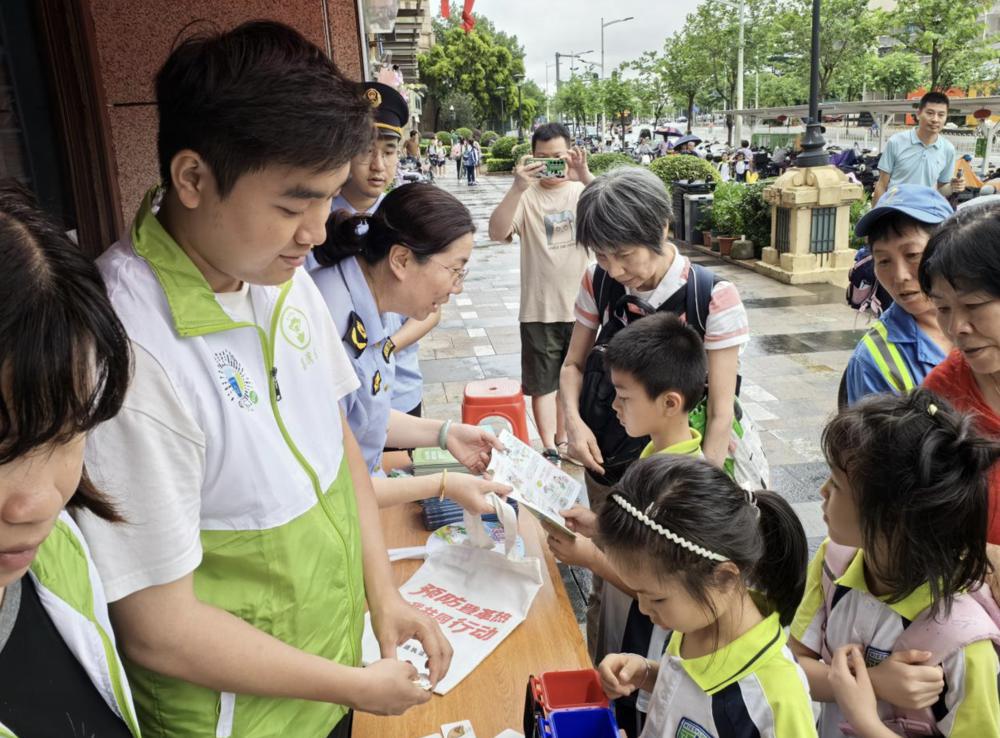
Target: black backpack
{"type": "Point", "coordinates": [597, 392]}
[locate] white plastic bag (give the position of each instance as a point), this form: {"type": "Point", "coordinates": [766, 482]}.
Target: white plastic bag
{"type": "Point", "coordinates": [477, 595]}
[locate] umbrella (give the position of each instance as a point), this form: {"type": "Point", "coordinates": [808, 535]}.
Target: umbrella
{"type": "Point", "coordinates": [686, 139]}
{"type": "Point", "coordinates": [667, 131]}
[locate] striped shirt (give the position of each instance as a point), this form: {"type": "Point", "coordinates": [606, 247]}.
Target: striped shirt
{"type": "Point", "coordinates": [751, 687]}
{"type": "Point", "coordinates": [968, 706]}
{"type": "Point", "coordinates": [727, 323]}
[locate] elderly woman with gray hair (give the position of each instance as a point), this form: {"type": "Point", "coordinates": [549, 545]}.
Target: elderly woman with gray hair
{"type": "Point", "coordinates": [624, 218]}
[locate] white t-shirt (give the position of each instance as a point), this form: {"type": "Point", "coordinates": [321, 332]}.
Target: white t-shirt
{"type": "Point", "coordinates": [159, 494]}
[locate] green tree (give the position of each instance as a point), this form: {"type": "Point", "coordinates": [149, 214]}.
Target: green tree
{"type": "Point", "coordinates": [481, 65]}
{"type": "Point", "coordinates": [576, 99]}
{"type": "Point", "coordinates": [952, 33]}
{"type": "Point", "coordinates": [850, 31]}
{"type": "Point", "coordinates": [898, 72]}
{"type": "Point", "coordinates": [714, 30]}
{"type": "Point", "coordinates": [689, 73]}
{"type": "Point", "coordinates": [618, 99]}
{"type": "Point", "coordinates": [652, 86]}
{"type": "Point", "coordinates": [782, 90]}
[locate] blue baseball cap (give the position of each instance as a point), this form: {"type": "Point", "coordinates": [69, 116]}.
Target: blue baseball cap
{"type": "Point", "coordinates": [923, 204]}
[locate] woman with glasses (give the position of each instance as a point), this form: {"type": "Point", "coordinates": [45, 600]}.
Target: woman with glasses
{"type": "Point", "coordinates": [408, 257]}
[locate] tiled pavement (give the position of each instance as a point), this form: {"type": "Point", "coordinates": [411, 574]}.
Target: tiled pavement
{"type": "Point", "coordinates": [802, 337]}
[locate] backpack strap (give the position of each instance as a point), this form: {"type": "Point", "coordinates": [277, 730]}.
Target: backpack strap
{"type": "Point", "coordinates": [700, 283]}
{"type": "Point", "coordinates": [607, 293]}
{"type": "Point", "coordinates": [836, 559]}
{"type": "Point", "coordinates": [974, 617]}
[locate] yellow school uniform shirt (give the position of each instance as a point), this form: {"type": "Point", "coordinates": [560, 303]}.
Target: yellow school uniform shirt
{"type": "Point", "coordinates": [968, 707]}
{"type": "Point", "coordinates": [691, 447]}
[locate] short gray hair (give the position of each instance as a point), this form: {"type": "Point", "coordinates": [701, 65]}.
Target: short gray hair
{"type": "Point", "coordinates": [628, 205]}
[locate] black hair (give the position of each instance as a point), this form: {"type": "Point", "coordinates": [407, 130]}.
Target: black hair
{"type": "Point", "coordinates": [549, 131]}
{"type": "Point", "coordinates": [963, 251]}
{"type": "Point", "coordinates": [933, 98]}
{"type": "Point", "coordinates": [255, 96]}
{"type": "Point", "coordinates": [697, 501]}
{"type": "Point", "coordinates": [412, 134]}
{"type": "Point", "coordinates": [896, 224]}
{"type": "Point", "coordinates": [918, 472]}
{"type": "Point", "coordinates": [663, 354]}
{"type": "Point", "coordinates": [65, 360]}
{"type": "Point", "coordinates": [744, 143]}
{"type": "Point", "coordinates": [424, 218]}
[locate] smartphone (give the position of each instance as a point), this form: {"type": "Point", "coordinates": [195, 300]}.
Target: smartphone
{"type": "Point", "coordinates": [553, 167]}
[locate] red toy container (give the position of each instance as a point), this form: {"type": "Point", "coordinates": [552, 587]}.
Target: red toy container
{"type": "Point", "coordinates": [561, 690]}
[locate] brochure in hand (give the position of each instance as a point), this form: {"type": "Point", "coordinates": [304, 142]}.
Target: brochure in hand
{"type": "Point", "coordinates": [541, 487]}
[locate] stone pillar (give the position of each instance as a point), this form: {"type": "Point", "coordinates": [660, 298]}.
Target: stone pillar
{"type": "Point", "coordinates": [801, 192]}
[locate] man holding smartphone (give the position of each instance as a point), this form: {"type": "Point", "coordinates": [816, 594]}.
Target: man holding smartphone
{"type": "Point", "coordinates": [541, 210]}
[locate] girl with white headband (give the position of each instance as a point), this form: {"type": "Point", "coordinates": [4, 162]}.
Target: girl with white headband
{"type": "Point", "coordinates": [689, 542]}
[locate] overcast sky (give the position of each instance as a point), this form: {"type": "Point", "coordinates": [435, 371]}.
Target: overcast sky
{"type": "Point", "coordinates": [570, 26]}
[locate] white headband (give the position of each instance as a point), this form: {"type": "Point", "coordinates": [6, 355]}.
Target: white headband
{"type": "Point", "coordinates": [668, 534]}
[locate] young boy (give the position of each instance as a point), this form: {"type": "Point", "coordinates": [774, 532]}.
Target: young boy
{"type": "Point", "coordinates": [542, 212]}
{"type": "Point", "coordinates": [658, 367]}
{"type": "Point", "coordinates": [905, 343]}
{"type": "Point", "coordinates": [238, 584]}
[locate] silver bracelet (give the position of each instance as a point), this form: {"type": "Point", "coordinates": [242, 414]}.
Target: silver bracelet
{"type": "Point", "coordinates": [443, 435]}
{"type": "Point", "coordinates": [645, 674]}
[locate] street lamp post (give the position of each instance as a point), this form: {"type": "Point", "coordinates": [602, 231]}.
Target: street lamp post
{"type": "Point", "coordinates": [451, 109]}
{"type": "Point", "coordinates": [503, 114]}
{"type": "Point", "coordinates": [560, 55]}
{"type": "Point", "coordinates": [603, 26]}
{"type": "Point", "coordinates": [738, 123]}
{"type": "Point", "coordinates": [600, 125]}
{"type": "Point", "coordinates": [813, 145]}
{"type": "Point", "coordinates": [520, 111]}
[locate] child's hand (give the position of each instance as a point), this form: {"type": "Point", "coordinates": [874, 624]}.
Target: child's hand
{"type": "Point", "coordinates": [622, 674]}
{"type": "Point", "coordinates": [582, 520]}
{"type": "Point", "coordinates": [901, 680]}
{"type": "Point", "coordinates": [579, 551]}
{"type": "Point", "coordinates": [854, 692]}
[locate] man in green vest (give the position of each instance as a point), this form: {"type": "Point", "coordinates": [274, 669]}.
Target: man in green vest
{"type": "Point", "coordinates": [238, 583]}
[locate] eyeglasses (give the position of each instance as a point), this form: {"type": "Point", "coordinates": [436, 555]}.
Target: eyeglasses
{"type": "Point", "coordinates": [458, 274]}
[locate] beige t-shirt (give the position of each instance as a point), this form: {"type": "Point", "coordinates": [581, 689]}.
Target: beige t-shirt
{"type": "Point", "coordinates": [551, 262]}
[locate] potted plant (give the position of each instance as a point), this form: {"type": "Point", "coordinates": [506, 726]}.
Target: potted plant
{"type": "Point", "coordinates": [726, 214]}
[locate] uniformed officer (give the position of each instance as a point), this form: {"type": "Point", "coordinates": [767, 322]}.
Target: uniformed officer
{"type": "Point", "coordinates": [408, 259]}
{"type": "Point", "coordinates": [370, 174]}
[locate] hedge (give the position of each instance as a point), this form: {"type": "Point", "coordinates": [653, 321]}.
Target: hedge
{"type": "Point", "coordinates": [520, 150]}
{"type": "Point", "coordinates": [503, 147]}
{"type": "Point", "coordinates": [600, 163]}
{"type": "Point", "coordinates": [489, 137]}
{"type": "Point", "coordinates": [463, 132]}
{"type": "Point", "coordinates": [444, 137]}
{"type": "Point", "coordinates": [499, 165]}
{"type": "Point", "coordinates": [677, 167]}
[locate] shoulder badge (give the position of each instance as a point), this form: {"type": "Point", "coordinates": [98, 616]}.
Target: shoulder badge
{"type": "Point", "coordinates": [356, 336]}
{"type": "Point", "coordinates": [388, 348]}
{"type": "Point", "coordinates": [376, 382]}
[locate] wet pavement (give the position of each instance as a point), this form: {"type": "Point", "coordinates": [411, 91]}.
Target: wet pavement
{"type": "Point", "coordinates": [802, 337]}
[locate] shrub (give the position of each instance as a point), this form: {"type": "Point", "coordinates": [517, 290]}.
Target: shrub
{"type": "Point", "coordinates": [677, 167]}
{"type": "Point", "coordinates": [727, 214]}
{"type": "Point", "coordinates": [756, 215]}
{"type": "Point", "coordinates": [499, 165]}
{"type": "Point", "coordinates": [444, 137]}
{"type": "Point", "coordinates": [463, 132]}
{"type": "Point", "coordinates": [489, 137]}
{"type": "Point", "coordinates": [503, 147]}
{"type": "Point", "coordinates": [520, 150]}
{"type": "Point", "coordinates": [858, 209]}
{"type": "Point", "coordinates": [600, 163]}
